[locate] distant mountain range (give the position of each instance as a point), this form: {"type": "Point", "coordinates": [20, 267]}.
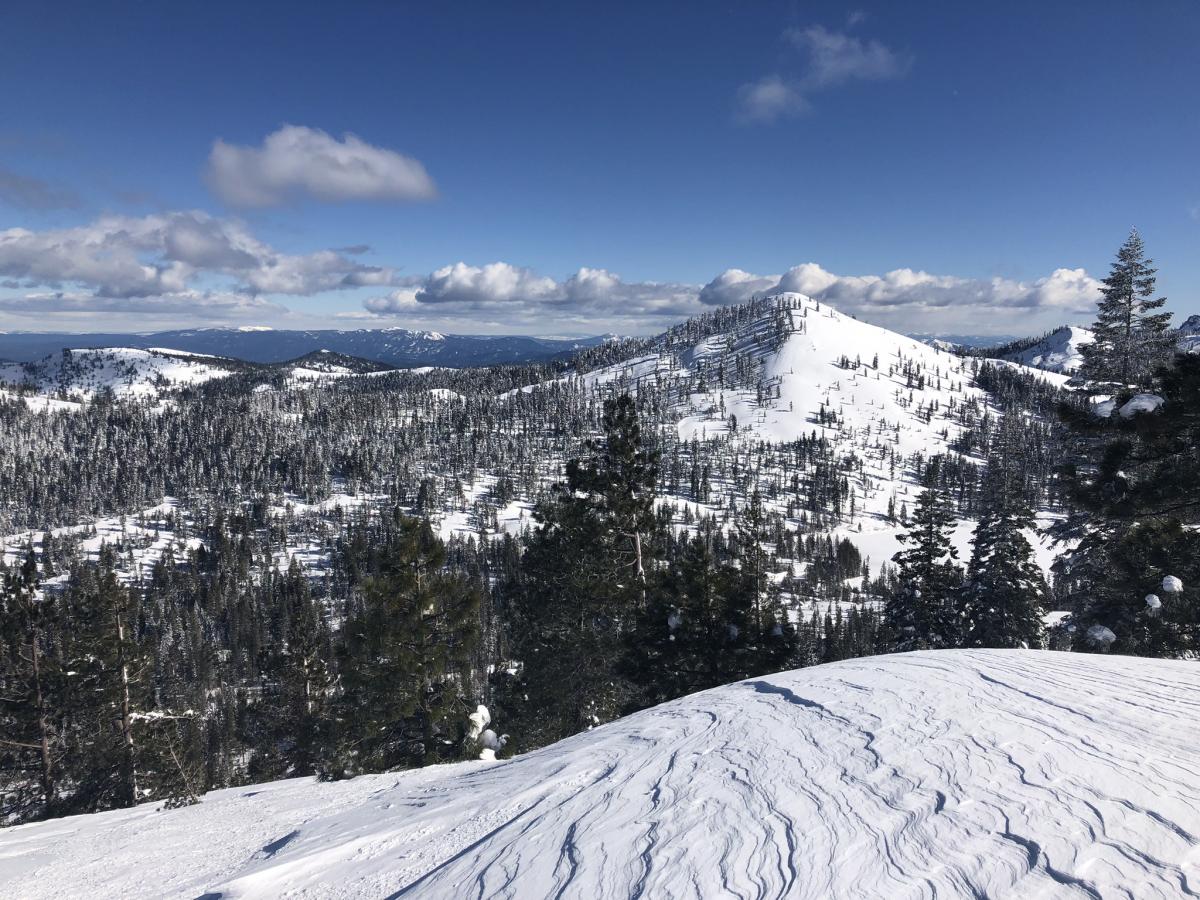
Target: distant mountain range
{"type": "Point", "coordinates": [393, 346]}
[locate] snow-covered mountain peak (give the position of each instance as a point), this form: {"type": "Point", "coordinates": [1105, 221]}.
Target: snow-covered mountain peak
{"type": "Point", "coordinates": [1058, 351]}
{"type": "Point", "coordinates": [787, 367]}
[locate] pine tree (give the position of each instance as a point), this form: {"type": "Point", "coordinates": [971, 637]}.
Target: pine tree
{"type": "Point", "coordinates": [1131, 339]}
{"type": "Point", "coordinates": [296, 706]}
{"type": "Point", "coordinates": [920, 613]}
{"type": "Point", "coordinates": [680, 642]}
{"type": "Point", "coordinates": [1143, 504]}
{"type": "Point", "coordinates": [1004, 595]}
{"type": "Point", "coordinates": [404, 661]}
{"type": "Point", "coordinates": [621, 476]}
{"type": "Point", "coordinates": [765, 636]}
{"type": "Point", "coordinates": [585, 578]}
{"type": "Point", "coordinates": [30, 688]}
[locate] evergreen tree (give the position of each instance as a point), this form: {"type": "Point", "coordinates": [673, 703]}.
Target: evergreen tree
{"type": "Point", "coordinates": [1132, 339]}
{"type": "Point", "coordinates": [1142, 506]}
{"type": "Point", "coordinates": [297, 709]}
{"type": "Point", "coordinates": [113, 687]}
{"type": "Point", "coordinates": [760, 628]}
{"type": "Point", "coordinates": [585, 577]}
{"type": "Point", "coordinates": [920, 613]}
{"type": "Point", "coordinates": [405, 660]}
{"type": "Point", "coordinates": [30, 688]}
{"type": "Point", "coordinates": [1004, 594]}
{"type": "Point", "coordinates": [681, 642]}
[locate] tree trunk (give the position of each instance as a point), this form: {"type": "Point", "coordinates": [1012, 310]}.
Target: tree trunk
{"type": "Point", "coordinates": [126, 716]}
{"type": "Point", "coordinates": [47, 774]}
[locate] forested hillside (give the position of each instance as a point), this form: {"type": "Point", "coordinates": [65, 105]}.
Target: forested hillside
{"type": "Point", "coordinates": [326, 568]}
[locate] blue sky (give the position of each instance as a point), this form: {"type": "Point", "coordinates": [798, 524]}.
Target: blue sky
{"type": "Point", "coordinates": [951, 167]}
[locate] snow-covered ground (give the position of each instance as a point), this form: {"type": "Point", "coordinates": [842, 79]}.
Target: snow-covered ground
{"type": "Point", "coordinates": [951, 774]}
{"type": "Point", "coordinates": [127, 372]}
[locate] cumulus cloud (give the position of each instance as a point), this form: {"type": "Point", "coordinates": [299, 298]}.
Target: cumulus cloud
{"type": "Point", "coordinates": [25, 192]}
{"type": "Point", "coordinates": [523, 296]}
{"type": "Point", "coordinates": [735, 286]}
{"type": "Point", "coordinates": [600, 300]}
{"type": "Point", "coordinates": [168, 261]}
{"type": "Point", "coordinates": [830, 59]}
{"type": "Point", "coordinates": [496, 282]}
{"type": "Point", "coordinates": [917, 300]}
{"type": "Point", "coordinates": [297, 162]}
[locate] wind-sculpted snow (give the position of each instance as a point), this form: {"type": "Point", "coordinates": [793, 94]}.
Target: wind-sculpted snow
{"type": "Point", "coordinates": [956, 773]}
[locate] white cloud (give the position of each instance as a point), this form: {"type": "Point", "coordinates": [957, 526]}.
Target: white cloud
{"type": "Point", "coordinates": [735, 286]}
{"type": "Point", "coordinates": [496, 282]}
{"type": "Point", "coordinates": [595, 300]}
{"type": "Point", "coordinates": [190, 303]}
{"type": "Point", "coordinates": [524, 297]}
{"type": "Point", "coordinates": [835, 58]}
{"type": "Point", "coordinates": [770, 98]}
{"type": "Point", "coordinates": [296, 162]}
{"type": "Point", "coordinates": [920, 301]}
{"type": "Point", "coordinates": [831, 58]}
{"type": "Point", "coordinates": [166, 261]}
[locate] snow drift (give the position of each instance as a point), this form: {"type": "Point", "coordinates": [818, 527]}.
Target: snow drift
{"type": "Point", "coordinates": [955, 773]}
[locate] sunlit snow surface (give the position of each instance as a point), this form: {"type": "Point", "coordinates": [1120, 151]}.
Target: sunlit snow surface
{"type": "Point", "coordinates": [984, 773]}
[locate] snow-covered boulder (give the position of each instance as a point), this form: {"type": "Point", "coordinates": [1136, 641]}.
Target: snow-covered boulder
{"type": "Point", "coordinates": [950, 773]}
{"type": "Point", "coordinates": [1140, 403]}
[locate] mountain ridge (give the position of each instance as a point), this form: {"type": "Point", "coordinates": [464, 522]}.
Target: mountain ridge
{"type": "Point", "coordinates": [398, 347]}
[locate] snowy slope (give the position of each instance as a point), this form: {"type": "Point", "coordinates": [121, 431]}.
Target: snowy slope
{"type": "Point", "coordinates": [801, 349]}
{"type": "Point", "coordinates": [1002, 774]}
{"type": "Point", "coordinates": [1056, 352]}
{"type": "Point", "coordinates": [126, 371]}
{"type": "Point", "coordinates": [1189, 335]}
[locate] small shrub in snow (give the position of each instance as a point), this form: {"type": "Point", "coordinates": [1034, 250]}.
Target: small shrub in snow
{"type": "Point", "coordinates": [1101, 636]}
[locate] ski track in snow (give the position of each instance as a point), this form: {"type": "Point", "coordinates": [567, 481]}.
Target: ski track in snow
{"type": "Point", "coordinates": [955, 773]}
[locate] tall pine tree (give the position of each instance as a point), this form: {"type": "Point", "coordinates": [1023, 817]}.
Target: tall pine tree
{"type": "Point", "coordinates": [1132, 338]}
{"type": "Point", "coordinates": [585, 577]}
{"type": "Point", "coordinates": [405, 660]}
{"type": "Point", "coordinates": [1004, 595]}
{"type": "Point", "coordinates": [31, 678]}
{"type": "Point", "coordinates": [921, 612]}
